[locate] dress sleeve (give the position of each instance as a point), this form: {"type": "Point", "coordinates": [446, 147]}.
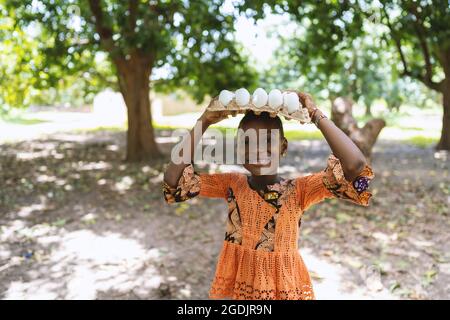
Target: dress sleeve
{"type": "Point", "coordinates": [331, 183]}
{"type": "Point", "coordinates": [192, 184]}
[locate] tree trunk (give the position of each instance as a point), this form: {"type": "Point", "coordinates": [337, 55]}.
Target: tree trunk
{"type": "Point", "coordinates": [364, 138]}
{"type": "Point", "coordinates": [368, 109]}
{"type": "Point", "coordinates": [134, 85]}
{"type": "Point", "coordinates": [444, 142]}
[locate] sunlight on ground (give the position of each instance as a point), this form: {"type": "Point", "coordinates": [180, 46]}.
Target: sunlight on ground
{"type": "Point", "coordinates": [422, 130]}
{"type": "Point", "coordinates": [83, 264]}
{"type": "Point", "coordinates": [57, 122]}
{"type": "Point", "coordinates": [329, 281]}
{"type": "Point", "coordinates": [422, 127]}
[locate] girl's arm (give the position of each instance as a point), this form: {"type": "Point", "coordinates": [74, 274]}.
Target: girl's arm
{"type": "Point", "coordinates": [351, 158]}
{"type": "Point", "coordinates": [174, 171]}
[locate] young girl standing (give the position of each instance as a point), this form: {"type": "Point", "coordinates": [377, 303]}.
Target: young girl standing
{"type": "Point", "coordinates": [259, 257]}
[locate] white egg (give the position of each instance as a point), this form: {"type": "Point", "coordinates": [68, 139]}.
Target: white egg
{"type": "Point", "coordinates": [225, 97]}
{"type": "Point", "coordinates": [285, 97]}
{"type": "Point", "coordinates": [275, 98]}
{"type": "Point", "coordinates": [242, 97]}
{"type": "Point", "coordinates": [291, 102]}
{"type": "Point", "coordinates": [260, 97]}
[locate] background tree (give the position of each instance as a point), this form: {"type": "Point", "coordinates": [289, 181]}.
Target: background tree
{"type": "Point", "coordinates": [419, 31]}
{"type": "Point", "coordinates": [28, 76]}
{"type": "Point", "coordinates": [362, 75]}
{"type": "Point", "coordinates": [192, 42]}
{"type": "Point", "coordinates": [357, 71]}
{"type": "Point", "coordinates": [16, 78]}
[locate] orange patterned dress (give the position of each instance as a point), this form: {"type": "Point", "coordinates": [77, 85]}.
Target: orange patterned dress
{"type": "Point", "coordinates": [260, 257]}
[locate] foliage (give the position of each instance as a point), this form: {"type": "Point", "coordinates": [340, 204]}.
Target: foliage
{"type": "Point", "coordinates": [29, 76]}
{"type": "Point", "coordinates": [350, 48]}
{"type": "Point", "coordinates": [16, 78]}
{"type": "Point", "coordinates": [191, 43]}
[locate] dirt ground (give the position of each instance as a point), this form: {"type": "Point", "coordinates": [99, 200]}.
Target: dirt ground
{"type": "Point", "coordinates": [76, 222]}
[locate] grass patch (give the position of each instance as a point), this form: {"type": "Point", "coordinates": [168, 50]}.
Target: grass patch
{"type": "Point", "coordinates": [224, 130]}
{"type": "Point", "coordinates": [165, 127]}
{"type": "Point", "coordinates": [303, 135]}
{"type": "Point", "coordinates": [416, 140]}
{"type": "Point", "coordinates": [101, 128]}
{"type": "Point", "coordinates": [421, 141]}
{"type": "Point", "coordinates": [23, 121]}
{"type": "Point", "coordinates": [290, 134]}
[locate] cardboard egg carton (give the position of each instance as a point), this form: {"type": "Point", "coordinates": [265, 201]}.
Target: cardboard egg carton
{"type": "Point", "coordinates": [301, 115]}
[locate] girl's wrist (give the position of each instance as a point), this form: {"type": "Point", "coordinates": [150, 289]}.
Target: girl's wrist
{"type": "Point", "coordinates": [316, 116]}
{"type": "Point", "coordinates": [313, 113]}
{"type": "Point", "coordinates": [318, 119]}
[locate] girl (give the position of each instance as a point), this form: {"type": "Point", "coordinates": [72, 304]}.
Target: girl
{"type": "Point", "coordinates": [259, 257]}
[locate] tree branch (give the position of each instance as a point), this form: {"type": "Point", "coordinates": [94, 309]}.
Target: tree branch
{"type": "Point", "coordinates": [424, 79]}
{"type": "Point", "coordinates": [444, 57]}
{"type": "Point", "coordinates": [420, 31]}
{"type": "Point", "coordinates": [397, 42]}
{"type": "Point", "coordinates": [112, 84]}
{"type": "Point", "coordinates": [133, 7]}
{"type": "Point", "coordinates": [104, 31]}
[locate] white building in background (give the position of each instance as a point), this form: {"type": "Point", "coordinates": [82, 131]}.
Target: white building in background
{"type": "Point", "coordinates": [110, 105]}
{"type": "Point", "coordinates": [157, 109]}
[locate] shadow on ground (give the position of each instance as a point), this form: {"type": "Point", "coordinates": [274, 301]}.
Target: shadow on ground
{"type": "Point", "coordinates": [76, 222]}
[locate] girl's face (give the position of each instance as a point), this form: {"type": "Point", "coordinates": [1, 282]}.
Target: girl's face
{"type": "Point", "coordinates": [261, 145]}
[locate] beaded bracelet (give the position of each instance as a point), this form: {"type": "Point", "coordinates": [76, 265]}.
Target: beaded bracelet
{"type": "Point", "coordinates": [313, 113]}
{"type": "Point", "coordinates": [316, 121]}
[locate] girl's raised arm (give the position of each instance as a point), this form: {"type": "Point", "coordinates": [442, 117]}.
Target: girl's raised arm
{"type": "Point", "coordinates": [351, 158]}
{"type": "Point", "coordinates": [174, 171]}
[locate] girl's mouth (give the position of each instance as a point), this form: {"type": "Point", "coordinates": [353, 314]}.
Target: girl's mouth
{"type": "Point", "coordinates": [259, 161]}
{"type": "Point", "coordinates": [263, 162]}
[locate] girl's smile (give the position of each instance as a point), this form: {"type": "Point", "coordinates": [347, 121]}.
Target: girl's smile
{"type": "Point", "coordinates": [264, 142]}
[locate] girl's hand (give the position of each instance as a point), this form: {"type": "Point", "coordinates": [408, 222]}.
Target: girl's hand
{"type": "Point", "coordinates": [307, 102]}
{"type": "Point", "coordinates": [211, 117]}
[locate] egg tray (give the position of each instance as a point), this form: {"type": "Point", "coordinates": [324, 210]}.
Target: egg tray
{"type": "Point", "coordinates": [301, 115]}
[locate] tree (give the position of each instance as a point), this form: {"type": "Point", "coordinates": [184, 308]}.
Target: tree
{"type": "Point", "coordinates": [29, 73]}
{"type": "Point", "coordinates": [354, 71]}
{"type": "Point", "coordinates": [15, 67]}
{"type": "Point", "coordinates": [365, 137]}
{"type": "Point", "coordinates": [359, 72]}
{"type": "Point", "coordinates": [192, 41]}
{"type": "Point", "coordinates": [418, 31]}
{"type": "Point", "coordinates": [421, 35]}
